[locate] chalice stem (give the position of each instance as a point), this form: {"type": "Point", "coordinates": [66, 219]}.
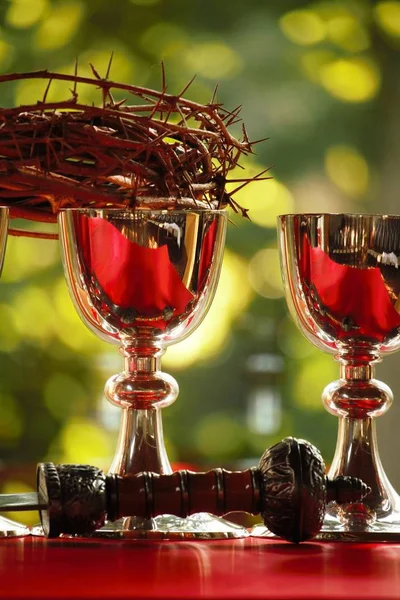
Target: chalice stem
{"type": "Point", "coordinates": [357, 398]}
{"type": "Point", "coordinates": [140, 443]}
{"type": "Point", "coordinates": [357, 452]}
{"type": "Point", "coordinates": [141, 390]}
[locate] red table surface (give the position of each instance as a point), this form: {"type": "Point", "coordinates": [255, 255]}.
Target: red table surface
{"type": "Point", "coordinates": [251, 568]}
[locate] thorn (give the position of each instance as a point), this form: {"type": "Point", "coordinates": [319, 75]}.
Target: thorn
{"type": "Point", "coordinates": [233, 115]}
{"type": "Point", "coordinates": [187, 86]}
{"type": "Point", "coordinates": [47, 90]}
{"type": "Point", "coordinates": [252, 143]}
{"type": "Point", "coordinates": [214, 94]}
{"type": "Point", "coordinates": [119, 103]}
{"type": "Point", "coordinates": [245, 136]}
{"type": "Point", "coordinates": [255, 178]}
{"type": "Point", "coordinates": [156, 107]}
{"type": "Point", "coordinates": [237, 208]}
{"type": "Point", "coordinates": [95, 73]}
{"type": "Point", "coordinates": [74, 92]}
{"type": "Point", "coordinates": [183, 120]}
{"type": "Point", "coordinates": [234, 122]}
{"type": "Point", "coordinates": [109, 65]}
{"type": "Point", "coordinates": [246, 180]}
{"type": "Point", "coordinates": [163, 80]}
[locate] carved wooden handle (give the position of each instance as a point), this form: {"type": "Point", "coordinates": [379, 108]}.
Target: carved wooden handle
{"type": "Point", "coordinates": [289, 489]}
{"type": "Point", "coordinates": [184, 493]}
{"type": "Point", "coordinates": [218, 492]}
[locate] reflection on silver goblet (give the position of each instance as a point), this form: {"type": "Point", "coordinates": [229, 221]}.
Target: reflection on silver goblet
{"type": "Point", "coordinates": [145, 279]}
{"type": "Point", "coordinates": [8, 528]}
{"type": "Point", "coordinates": [342, 282]}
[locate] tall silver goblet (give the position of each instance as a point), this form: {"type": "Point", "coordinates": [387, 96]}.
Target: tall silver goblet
{"type": "Point", "coordinates": [8, 528]}
{"type": "Point", "coordinates": [144, 279]}
{"type": "Point", "coordinates": [342, 282]}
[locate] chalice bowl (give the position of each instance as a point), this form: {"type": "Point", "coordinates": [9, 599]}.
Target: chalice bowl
{"type": "Point", "coordinates": [144, 279]}
{"type": "Point", "coordinates": [8, 528]}
{"type": "Point", "coordinates": [342, 282]}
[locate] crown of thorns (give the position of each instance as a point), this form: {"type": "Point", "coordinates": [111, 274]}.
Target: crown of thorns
{"type": "Point", "coordinates": [161, 151]}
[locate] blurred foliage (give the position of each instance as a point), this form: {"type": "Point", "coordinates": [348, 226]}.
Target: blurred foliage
{"type": "Point", "coordinates": [320, 79]}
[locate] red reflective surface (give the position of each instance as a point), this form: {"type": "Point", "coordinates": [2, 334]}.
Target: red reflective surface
{"type": "Point", "coordinates": [240, 569]}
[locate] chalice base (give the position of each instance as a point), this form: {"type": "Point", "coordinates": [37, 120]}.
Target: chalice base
{"type": "Point", "coordinates": [334, 531]}
{"type": "Point", "coordinates": [363, 527]}
{"type": "Point", "coordinates": [10, 528]}
{"type": "Point", "coordinates": [201, 526]}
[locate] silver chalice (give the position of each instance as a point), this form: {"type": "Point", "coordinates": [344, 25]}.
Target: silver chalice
{"type": "Point", "coordinates": [144, 279]}
{"type": "Point", "coordinates": [342, 282]}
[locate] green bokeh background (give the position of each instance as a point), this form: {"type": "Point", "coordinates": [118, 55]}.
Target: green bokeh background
{"type": "Point", "coordinates": [321, 81]}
